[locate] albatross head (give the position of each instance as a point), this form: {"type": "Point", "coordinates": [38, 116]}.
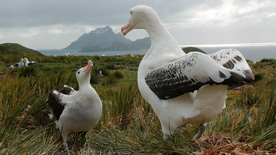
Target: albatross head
{"type": "Point", "coordinates": [84, 74]}
{"type": "Point", "coordinates": [26, 60]}
{"type": "Point", "coordinates": [141, 17]}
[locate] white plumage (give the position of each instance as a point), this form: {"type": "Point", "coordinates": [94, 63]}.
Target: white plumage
{"type": "Point", "coordinates": [28, 63]}
{"type": "Point", "coordinates": [76, 110]}
{"type": "Point", "coordinates": [183, 88]}
{"type": "Point", "coordinates": [20, 63]}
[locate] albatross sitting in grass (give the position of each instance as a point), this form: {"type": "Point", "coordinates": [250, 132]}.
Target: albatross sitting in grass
{"type": "Point", "coordinates": [183, 88]}
{"type": "Point", "coordinates": [76, 110]}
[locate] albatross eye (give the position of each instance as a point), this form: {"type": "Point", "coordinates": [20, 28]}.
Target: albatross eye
{"type": "Point", "coordinates": [78, 72]}
{"type": "Point", "coordinates": [130, 12]}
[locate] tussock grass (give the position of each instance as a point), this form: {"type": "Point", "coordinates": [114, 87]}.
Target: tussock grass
{"type": "Point", "coordinates": [128, 124]}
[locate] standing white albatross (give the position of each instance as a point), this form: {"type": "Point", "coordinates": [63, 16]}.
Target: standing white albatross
{"type": "Point", "coordinates": [20, 63]}
{"type": "Point", "coordinates": [28, 63]}
{"type": "Point", "coordinates": [76, 110]}
{"type": "Point", "coordinates": [183, 88]}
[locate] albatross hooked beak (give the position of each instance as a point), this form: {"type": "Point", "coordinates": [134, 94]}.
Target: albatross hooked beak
{"type": "Point", "coordinates": [126, 28]}
{"type": "Point", "coordinates": [86, 68]}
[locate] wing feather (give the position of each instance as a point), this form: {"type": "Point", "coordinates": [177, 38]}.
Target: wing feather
{"type": "Point", "coordinates": [233, 60]}
{"type": "Point", "coordinates": [55, 103]}
{"type": "Point", "coordinates": [188, 74]}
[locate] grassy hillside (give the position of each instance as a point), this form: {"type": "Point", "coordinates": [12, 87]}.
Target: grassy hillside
{"type": "Point", "coordinates": [16, 49]}
{"type": "Point", "coordinates": [128, 124]}
{"type": "Point", "coordinates": [11, 53]}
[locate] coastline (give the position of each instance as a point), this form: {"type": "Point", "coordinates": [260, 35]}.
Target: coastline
{"type": "Point", "coordinates": [254, 52]}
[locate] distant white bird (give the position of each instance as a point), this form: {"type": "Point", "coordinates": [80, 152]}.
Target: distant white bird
{"type": "Point", "coordinates": [11, 67]}
{"type": "Point", "coordinates": [67, 53]}
{"type": "Point", "coordinates": [76, 110]}
{"type": "Point", "coordinates": [183, 88]}
{"type": "Point", "coordinates": [20, 63]}
{"type": "Point", "coordinates": [100, 75]}
{"type": "Point", "coordinates": [28, 63]}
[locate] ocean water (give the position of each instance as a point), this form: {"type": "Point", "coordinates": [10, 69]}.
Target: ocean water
{"type": "Point", "coordinates": [101, 53]}
{"type": "Point", "coordinates": [253, 53]}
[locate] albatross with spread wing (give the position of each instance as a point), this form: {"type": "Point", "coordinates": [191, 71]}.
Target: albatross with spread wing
{"type": "Point", "coordinates": [76, 110]}
{"type": "Point", "coordinates": [183, 88]}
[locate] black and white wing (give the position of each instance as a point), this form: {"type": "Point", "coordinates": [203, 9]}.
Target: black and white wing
{"type": "Point", "coordinates": [55, 103]}
{"type": "Point", "coordinates": [67, 90]}
{"type": "Point", "coordinates": [189, 73]}
{"type": "Point", "coordinates": [233, 60]}
{"type": "Point", "coordinates": [31, 63]}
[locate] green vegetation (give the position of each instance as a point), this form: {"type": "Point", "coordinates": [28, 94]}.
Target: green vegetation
{"type": "Point", "coordinates": [192, 49]}
{"type": "Point", "coordinates": [16, 49]}
{"type": "Point", "coordinates": [128, 124]}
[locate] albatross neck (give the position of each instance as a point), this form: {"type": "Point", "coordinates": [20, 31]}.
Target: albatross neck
{"type": "Point", "coordinates": [84, 85]}
{"type": "Point", "coordinates": [162, 39]}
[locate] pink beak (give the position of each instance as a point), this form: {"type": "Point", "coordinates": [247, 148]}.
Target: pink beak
{"type": "Point", "coordinates": [88, 66]}
{"type": "Point", "coordinates": [126, 28]}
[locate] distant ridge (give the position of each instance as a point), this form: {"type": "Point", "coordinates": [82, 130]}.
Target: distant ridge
{"type": "Point", "coordinates": [104, 39]}
{"type": "Point", "coordinates": [16, 49]}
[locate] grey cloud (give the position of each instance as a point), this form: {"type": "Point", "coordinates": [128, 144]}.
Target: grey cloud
{"type": "Point", "coordinates": [105, 12]}
{"type": "Point", "coordinates": [35, 22]}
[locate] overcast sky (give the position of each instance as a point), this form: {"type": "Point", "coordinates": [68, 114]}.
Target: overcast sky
{"type": "Point", "coordinates": [54, 24]}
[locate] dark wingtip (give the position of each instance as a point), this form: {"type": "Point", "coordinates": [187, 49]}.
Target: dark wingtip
{"type": "Point", "coordinates": [237, 77]}
{"type": "Point", "coordinates": [238, 80]}
{"type": "Point", "coordinates": [52, 99]}
{"type": "Point", "coordinates": [249, 76]}
{"type": "Point", "coordinates": [66, 90]}
{"type": "Point", "coordinates": [51, 95]}
{"type": "Point", "coordinates": [54, 102]}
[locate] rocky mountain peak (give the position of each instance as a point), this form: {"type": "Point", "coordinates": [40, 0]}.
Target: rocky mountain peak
{"type": "Point", "coordinates": [103, 39]}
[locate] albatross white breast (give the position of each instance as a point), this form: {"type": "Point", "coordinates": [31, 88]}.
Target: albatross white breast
{"type": "Point", "coordinates": [20, 63]}
{"type": "Point", "coordinates": [76, 110]}
{"type": "Point", "coordinates": [183, 88]}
